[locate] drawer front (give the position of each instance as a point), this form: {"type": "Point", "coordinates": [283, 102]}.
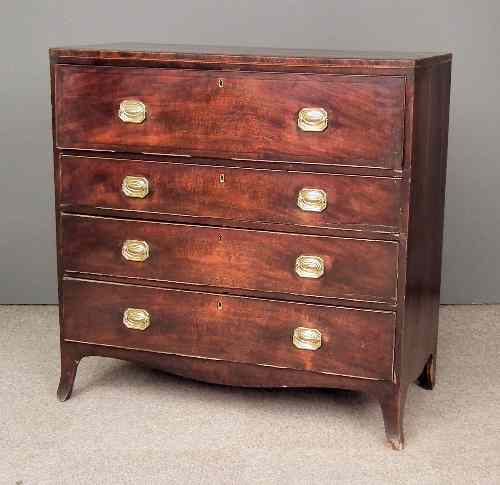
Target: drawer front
{"type": "Point", "coordinates": [273, 196]}
{"type": "Point", "coordinates": [232, 114]}
{"type": "Point", "coordinates": [232, 258]}
{"type": "Point", "coordinates": [250, 330]}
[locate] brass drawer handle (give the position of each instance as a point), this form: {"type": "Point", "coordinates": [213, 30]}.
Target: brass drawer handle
{"type": "Point", "coordinates": [136, 318]}
{"type": "Point", "coordinates": [132, 111]}
{"type": "Point", "coordinates": [135, 186]}
{"type": "Point", "coordinates": [307, 338]}
{"type": "Point", "coordinates": [309, 266]}
{"type": "Point", "coordinates": [134, 250]}
{"type": "Point", "coordinates": [312, 200]}
{"type": "Point", "coordinates": [312, 119]}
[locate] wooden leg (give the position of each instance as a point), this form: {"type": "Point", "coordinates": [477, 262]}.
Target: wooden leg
{"type": "Point", "coordinates": [392, 403]}
{"type": "Point", "coordinates": [427, 379]}
{"type": "Point", "coordinates": [69, 363]}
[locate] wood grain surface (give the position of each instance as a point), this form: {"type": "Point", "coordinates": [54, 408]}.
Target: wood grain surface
{"type": "Point", "coordinates": [231, 193]}
{"type": "Point", "coordinates": [232, 258]}
{"type": "Point", "coordinates": [252, 116]}
{"type": "Point", "coordinates": [236, 329]}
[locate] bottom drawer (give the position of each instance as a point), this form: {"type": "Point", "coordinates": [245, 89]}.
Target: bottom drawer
{"type": "Point", "coordinates": [349, 342]}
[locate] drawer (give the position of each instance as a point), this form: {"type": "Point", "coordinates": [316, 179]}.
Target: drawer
{"type": "Point", "coordinates": [273, 196]}
{"type": "Point", "coordinates": [238, 329]}
{"type": "Point", "coordinates": [232, 114]}
{"type": "Point", "coordinates": [231, 258]}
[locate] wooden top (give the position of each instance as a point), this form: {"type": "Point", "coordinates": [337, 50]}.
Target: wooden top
{"type": "Point", "coordinates": [185, 55]}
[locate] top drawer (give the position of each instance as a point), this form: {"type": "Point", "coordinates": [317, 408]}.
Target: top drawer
{"type": "Point", "coordinates": [355, 120]}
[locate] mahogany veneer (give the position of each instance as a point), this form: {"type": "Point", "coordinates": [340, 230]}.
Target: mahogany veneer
{"type": "Point", "coordinates": [231, 328]}
{"type": "Point", "coordinates": [193, 190]}
{"type": "Point", "coordinates": [232, 258]}
{"type": "Point", "coordinates": [366, 128]}
{"type": "Point", "coordinates": [253, 218]}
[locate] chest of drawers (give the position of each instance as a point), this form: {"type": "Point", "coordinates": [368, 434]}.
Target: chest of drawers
{"type": "Point", "coordinates": [259, 218]}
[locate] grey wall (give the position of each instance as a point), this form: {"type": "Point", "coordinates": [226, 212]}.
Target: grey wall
{"type": "Point", "coordinates": [468, 29]}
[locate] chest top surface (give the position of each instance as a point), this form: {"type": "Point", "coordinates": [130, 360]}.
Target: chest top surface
{"type": "Point", "coordinates": [252, 55]}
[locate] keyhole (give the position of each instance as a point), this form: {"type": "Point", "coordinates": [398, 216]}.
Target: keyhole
{"type": "Point", "coordinates": [219, 305]}
{"type": "Point", "coordinates": [220, 237]}
{"type": "Point", "coordinates": [220, 83]}
{"type": "Point", "coordinates": [221, 178]}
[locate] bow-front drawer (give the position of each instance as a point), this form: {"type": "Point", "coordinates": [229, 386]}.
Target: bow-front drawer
{"type": "Point", "coordinates": [237, 329]}
{"type": "Point", "coordinates": [230, 193]}
{"type": "Point", "coordinates": [314, 266]}
{"type": "Point", "coordinates": [352, 120]}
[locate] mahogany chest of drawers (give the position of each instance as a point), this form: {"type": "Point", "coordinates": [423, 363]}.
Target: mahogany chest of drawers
{"type": "Point", "coordinates": [252, 217]}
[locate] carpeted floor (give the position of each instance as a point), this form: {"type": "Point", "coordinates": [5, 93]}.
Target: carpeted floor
{"type": "Point", "coordinates": [126, 424]}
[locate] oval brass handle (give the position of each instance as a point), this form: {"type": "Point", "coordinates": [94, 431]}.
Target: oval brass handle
{"type": "Point", "coordinates": [312, 119]}
{"type": "Point", "coordinates": [136, 318]}
{"type": "Point", "coordinates": [307, 338]}
{"type": "Point", "coordinates": [132, 111]}
{"type": "Point", "coordinates": [309, 266]}
{"type": "Point", "coordinates": [135, 186]}
{"type": "Point", "coordinates": [134, 250]}
{"type": "Point", "coordinates": [312, 200]}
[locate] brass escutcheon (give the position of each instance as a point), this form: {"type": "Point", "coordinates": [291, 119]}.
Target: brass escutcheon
{"type": "Point", "coordinates": [312, 200]}
{"type": "Point", "coordinates": [136, 318]}
{"type": "Point", "coordinates": [132, 111]}
{"type": "Point", "coordinates": [135, 250]}
{"type": "Point", "coordinates": [307, 338]}
{"type": "Point", "coordinates": [137, 187]}
{"type": "Point", "coordinates": [312, 119]}
{"type": "Point", "coordinates": [309, 266]}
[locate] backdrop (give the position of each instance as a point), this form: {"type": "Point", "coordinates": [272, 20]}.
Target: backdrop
{"type": "Point", "coordinates": [468, 29]}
